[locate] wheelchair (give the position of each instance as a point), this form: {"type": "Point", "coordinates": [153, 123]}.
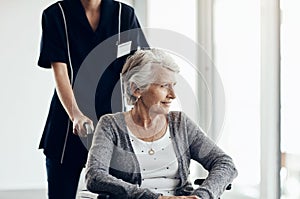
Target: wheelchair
{"type": "Point", "coordinates": [104, 195]}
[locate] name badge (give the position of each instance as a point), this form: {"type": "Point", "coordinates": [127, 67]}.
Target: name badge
{"type": "Point", "coordinates": [124, 49]}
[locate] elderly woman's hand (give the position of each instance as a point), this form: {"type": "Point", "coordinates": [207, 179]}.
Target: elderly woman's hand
{"type": "Point", "coordinates": [179, 197]}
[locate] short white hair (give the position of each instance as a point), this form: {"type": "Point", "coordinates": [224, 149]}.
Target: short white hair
{"type": "Point", "coordinates": [138, 70]}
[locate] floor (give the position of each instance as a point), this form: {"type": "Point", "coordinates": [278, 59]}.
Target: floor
{"type": "Point", "coordinates": [24, 194]}
{"type": "Point", "coordinates": [38, 194]}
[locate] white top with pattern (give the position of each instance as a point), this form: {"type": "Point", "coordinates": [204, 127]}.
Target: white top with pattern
{"type": "Point", "coordinates": [160, 170]}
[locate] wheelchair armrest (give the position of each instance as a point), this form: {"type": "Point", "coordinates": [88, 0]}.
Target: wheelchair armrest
{"type": "Point", "coordinates": [201, 180]}
{"type": "Point", "coordinates": [103, 196]}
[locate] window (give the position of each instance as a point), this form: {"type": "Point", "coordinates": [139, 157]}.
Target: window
{"type": "Point", "coordinates": [290, 42]}
{"type": "Point", "coordinates": [237, 57]}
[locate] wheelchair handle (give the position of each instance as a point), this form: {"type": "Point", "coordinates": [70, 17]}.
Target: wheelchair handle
{"type": "Point", "coordinates": [88, 128]}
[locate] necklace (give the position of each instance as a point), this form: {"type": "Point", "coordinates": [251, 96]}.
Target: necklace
{"type": "Point", "coordinates": [159, 134]}
{"type": "Point", "coordinates": [151, 150]}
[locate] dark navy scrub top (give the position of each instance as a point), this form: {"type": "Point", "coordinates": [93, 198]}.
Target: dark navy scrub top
{"type": "Point", "coordinates": [82, 40]}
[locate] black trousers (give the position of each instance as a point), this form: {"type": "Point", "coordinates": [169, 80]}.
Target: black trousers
{"type": "Point", "coordinates": [62, 179]}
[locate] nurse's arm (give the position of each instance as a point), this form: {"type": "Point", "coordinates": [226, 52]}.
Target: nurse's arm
{"type": "Point", "coordinates": [67, 98]}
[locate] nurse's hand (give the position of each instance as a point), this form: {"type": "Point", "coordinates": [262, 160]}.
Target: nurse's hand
{"type": "Point", "coordinates": [79, 125]}
{"type": "Point", "coordinates": [179, 197]}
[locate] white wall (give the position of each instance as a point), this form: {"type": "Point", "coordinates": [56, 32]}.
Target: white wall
{"type": "Point", "coordinates": [25, 94]}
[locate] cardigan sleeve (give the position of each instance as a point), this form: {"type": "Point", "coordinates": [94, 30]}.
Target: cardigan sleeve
{"type": "Point", "coordinates": [220, 166]}
{"type": "Point", "coordinates": [98, 178]}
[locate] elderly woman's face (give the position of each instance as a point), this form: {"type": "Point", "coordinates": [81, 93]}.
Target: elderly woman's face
{"type": "Point", "coordinates": [159, 95]}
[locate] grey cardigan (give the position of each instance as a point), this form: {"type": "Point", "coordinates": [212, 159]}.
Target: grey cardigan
{"type": "Point", "coordinates": [113, 167]}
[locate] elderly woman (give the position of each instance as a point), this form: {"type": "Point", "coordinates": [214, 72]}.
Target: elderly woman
{"type": "Point", "coordinates": [146, 152]}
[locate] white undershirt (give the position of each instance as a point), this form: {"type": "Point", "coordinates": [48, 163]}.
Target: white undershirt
{"type": "Point", "coordinates": [160, 170]}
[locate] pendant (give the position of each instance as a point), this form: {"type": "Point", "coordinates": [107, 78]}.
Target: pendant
{"type": "Point", "coordinates": [151, 152]}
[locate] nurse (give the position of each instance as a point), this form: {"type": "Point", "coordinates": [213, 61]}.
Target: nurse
{"type": "Point", "coordinates": [71, 29]}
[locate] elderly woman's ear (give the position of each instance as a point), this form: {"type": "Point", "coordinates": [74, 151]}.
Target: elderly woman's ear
{"type": "Point", "coordinates": [136, 92]}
